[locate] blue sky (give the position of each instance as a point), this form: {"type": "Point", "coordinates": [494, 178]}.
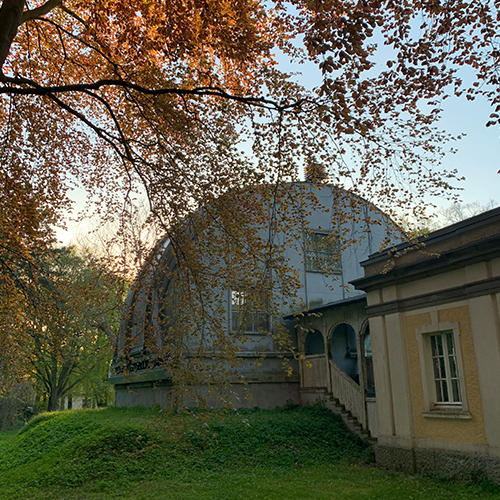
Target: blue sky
{"type": "Point", "coordinates": [478, 152]}
{"type": "Point", "coordinates": [477, 157]}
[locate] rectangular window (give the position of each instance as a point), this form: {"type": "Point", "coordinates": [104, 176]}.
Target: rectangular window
{"type": "Point", "coordinates": [441, 368]}
{"type": "Point", "coordinates": [249, 311]}
{"type": "Point", "coordinates": [444, 363]}
{"type": "Point", "coordinates": [322, 253]}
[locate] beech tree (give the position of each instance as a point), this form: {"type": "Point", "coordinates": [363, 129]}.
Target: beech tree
{"type": "Point", "coordinates": [71, 323]}
{"type": "Point", "coordinates": [184, 101]}
{"type": "Point", "coordinates": [118, 93]}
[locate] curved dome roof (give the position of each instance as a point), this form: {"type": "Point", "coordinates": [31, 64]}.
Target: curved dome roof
{"type": "Point", "coordinates": [256, 241]}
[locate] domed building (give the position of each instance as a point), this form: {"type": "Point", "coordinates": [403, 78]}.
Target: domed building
{"type": "Point", "coordinates": [229, 298]}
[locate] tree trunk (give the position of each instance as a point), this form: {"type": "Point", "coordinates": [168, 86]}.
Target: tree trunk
{"type": "Point", "coordinates": [11, 14]}
{"type": "Point", "coordinates": [53, 399]}
{"type": "Point", "coordinates": [104, 326]}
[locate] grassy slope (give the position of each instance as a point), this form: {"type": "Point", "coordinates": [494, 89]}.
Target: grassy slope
{"type": "Point", "coordinates": [129, 453]}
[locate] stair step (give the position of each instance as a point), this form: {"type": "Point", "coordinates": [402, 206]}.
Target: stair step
{"type": "Point", "coordinates": [351, 422]}
{"type": "Point", "coordinates": [335, 406]}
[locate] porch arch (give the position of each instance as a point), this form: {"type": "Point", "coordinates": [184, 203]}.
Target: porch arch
{"type": "Point", "coordinates": [343, 349]}
{"type": "Point", "coordinates": [314, 343]}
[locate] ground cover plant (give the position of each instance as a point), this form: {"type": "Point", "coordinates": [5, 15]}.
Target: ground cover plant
{"type": "Point", "coordinates": [289, 452]}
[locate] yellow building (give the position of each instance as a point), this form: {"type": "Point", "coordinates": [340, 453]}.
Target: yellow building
{"type": "Point", "coordinates": [434, 317]}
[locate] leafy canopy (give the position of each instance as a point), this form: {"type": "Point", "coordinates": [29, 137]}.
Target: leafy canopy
{"type": "Point", "coordinates": [113, 94]}
{"type": "Point", "coordinates": [184, 101]}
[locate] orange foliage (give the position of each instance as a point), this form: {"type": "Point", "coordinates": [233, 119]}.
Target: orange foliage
{"type": "Point", "coordinates": [167, 97]}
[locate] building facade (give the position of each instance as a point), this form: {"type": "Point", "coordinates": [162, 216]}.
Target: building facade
{"type": "Point", "coordinates": [434, 320]}
{"type": "Point", "coordinates": [324, 233]}
{"type": "Point", "coordinates": [410, 350]}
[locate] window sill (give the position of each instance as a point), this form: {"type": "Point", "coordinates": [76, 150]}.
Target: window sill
{"type": "Point", "coordinates": [248, 334]}
{"type": "Point", "coordinates": [451, 413]}
{"type": "Point", "coordinates": [335, 272]}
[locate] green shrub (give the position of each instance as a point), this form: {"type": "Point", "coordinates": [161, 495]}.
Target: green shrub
{"type": "Point", "coordinates": [81, 446]}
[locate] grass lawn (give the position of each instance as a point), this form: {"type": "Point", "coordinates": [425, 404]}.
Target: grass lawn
{"type": "Point", "coordinates": [288, 453]}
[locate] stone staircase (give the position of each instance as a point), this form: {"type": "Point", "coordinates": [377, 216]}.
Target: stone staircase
{"type": "Point", "coordinates": [352, 423]}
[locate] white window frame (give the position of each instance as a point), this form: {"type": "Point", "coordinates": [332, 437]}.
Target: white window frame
{"type": "Point", "coordinates": [329, 253]}
{"type": "Point", "coordinates": [250, 311]}
{"type": "Point", "coordinates": [433, 407]}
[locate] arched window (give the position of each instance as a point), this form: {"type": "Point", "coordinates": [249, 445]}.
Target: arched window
{"type": "Point", "coordinates": [370, 379]}
{"type": "Point", "coordinates": [315, 344]}
{"type": "Point", "coordinates": [344, 351]}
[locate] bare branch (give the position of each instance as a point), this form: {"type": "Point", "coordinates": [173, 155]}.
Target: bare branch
{"type": "Point", "coordinates": [198, 91]}
{"type": "Point", "coordinates": [40, 11]}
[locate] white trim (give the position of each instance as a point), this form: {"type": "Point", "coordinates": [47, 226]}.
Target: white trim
{"type": "Point", "coordinates": [269, 319]}
{"type": "Point", "coordinates": [431, 406]}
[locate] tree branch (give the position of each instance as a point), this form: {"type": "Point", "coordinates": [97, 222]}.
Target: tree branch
{"type": "Point", "coordinates": [198, 91]}
{"type": "Point", "coordinates": [40, 11]}
{"type": "Point", "coordinates": [104, 326]}
{"type": "Point", "coordinates": [73, 14]}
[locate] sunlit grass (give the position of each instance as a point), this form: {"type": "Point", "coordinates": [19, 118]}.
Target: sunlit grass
{"type": "Point", "coordinates": [290, 453]}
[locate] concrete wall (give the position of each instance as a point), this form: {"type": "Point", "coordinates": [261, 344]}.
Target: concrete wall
{"type": "Point", "coordinates": [267, 395]}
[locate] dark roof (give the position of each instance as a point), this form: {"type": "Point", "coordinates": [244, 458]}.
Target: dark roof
{"type": "Point", "coordinates": [467, 242]}
{"type": "Point", "coordinates": [330, 305]}
{"type": "Point", "coordinates": [438, 235]}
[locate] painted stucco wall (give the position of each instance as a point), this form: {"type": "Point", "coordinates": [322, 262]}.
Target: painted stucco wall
{"type": "Point", "coordinates": [451, 283]}
{"type": "Point", "coordinates": [446, 429]}
{"type": "Point", "coordinates": [398, 377]}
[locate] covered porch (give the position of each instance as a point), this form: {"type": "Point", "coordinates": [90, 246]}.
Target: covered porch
{"type": "Point", "coordinates": [336, 363]}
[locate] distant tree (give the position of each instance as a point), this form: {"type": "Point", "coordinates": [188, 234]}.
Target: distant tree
{"type": "Point", "coordinates": [461, 211]}
{"type": "Point", "coordinates": [71, 324]}
{"type": "Point", "coordinates": [455, 212]}
{"type": "Point", "coordinates": [25, 241]}
{"type": "Point", "coordinates": [415, 230]}
{"type": "Point", "coordinates": [16, 405]}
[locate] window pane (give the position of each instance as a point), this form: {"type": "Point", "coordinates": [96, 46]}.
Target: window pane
{"type": "Point", "coordinates": [263, 321]}
{"type": "Point", "coordinates": [435, 364]}
{"type": "Point", "coordinates": [453, 367]}
{"type": "Point", "coordinates": [247, 312]}
{"type": "Point", "coordinates": [449, 343]}
{"type": "Point", "coordinates": [368, 346]}
{"type": "Point", "coordinates": [439, 340]}
{"type": "Point", "coordinates": [445, 392]}
{"type": "Point", "coordinates": [433, 345]}
{"type": "Point", "coordinates": [445, 368]}
{"type": "Point", "coordinates": [236, 323]}
{"type": "Point", "coordinates": [456, 391]}
{"type": "Point", "coordinates": [439, 396]}
{"type": "Point", "coordinates": [442, 369]}
{"type": "Point", "coordinates": [322, 253]}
